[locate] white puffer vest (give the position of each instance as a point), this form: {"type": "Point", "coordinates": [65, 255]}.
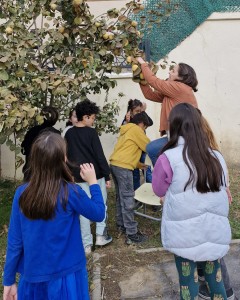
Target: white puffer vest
{"type": "Point", "coordinates": [194, 225]}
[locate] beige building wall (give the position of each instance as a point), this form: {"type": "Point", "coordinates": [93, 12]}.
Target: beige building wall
{"type": "Point", "coordinates": [213, 51]}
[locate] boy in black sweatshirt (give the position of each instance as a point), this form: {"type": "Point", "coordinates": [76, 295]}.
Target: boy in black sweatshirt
{"type": "Point", "coordinates": [84, 146]}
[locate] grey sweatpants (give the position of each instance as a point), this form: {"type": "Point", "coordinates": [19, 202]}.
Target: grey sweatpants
{"type": "Point", "coordinates": [123, 180]}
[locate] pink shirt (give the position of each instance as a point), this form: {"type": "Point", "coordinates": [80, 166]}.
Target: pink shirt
{"type": "Point", "coordinates": [161, 176]}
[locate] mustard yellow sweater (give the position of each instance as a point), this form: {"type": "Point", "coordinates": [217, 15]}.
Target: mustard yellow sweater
{"type": "Point", "coordinates": [128, 149]}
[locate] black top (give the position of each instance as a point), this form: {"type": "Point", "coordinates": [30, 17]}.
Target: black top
{"type": "Point", "coordinates": [31, 136]}
{"type": "Point", "coordinates": [84, 146]}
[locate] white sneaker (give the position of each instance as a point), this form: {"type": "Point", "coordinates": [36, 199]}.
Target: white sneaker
{"type": "Point", "coordinates": [102, 240]}
{"type": "Point", "coordinates": [88, 250]}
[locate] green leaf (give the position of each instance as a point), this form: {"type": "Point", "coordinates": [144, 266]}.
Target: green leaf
{"type": "Point", "coordinates": [102, 52]}
{"type": "Point", "coordinates": [43, 86]}
{"type": "Point", "coordinates": [3, 138]}
{"type": "Point", "coordinates": [69, 59]}
{"type": "Point", "coordinates": [4, 59]}
{"type": "Point", "coordinates": [4, 75]}
{"type": "Point", "coordinates": [1, 126]}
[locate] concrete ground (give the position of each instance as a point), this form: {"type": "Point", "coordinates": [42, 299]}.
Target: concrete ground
{"type": "Point", "coordinates": [160, 281]}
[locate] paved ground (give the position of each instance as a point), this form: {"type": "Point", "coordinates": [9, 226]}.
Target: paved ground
{"type": "Point", "coordinates": [160, 281]}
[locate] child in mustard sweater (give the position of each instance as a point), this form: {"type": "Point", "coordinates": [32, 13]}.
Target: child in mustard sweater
{"type": "Point", "coordinates": [124, 159]}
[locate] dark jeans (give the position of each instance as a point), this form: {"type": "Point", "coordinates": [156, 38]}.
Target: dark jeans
{"type": "Point", "coordinates": [125, 203]}
{"type": "Point", "coordinates": [154, 148]}
{"type": "Point", "coordinates": [136, 174]}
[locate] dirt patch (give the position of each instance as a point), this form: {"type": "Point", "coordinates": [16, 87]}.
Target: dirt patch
{"type": "Point", "coordinates": [120, 262]}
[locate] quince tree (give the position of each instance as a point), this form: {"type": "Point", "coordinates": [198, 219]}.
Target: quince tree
{"type": "Point", "coordinates": [56, 52]}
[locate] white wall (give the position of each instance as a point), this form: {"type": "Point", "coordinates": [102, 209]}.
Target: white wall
{"type": "Point", "coordinates": [213, 51]}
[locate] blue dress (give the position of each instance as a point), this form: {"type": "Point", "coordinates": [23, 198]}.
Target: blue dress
{"type": "Point", "coordinates": [49, 254]}
{"type": "Point", "coordinates": [71, 287]}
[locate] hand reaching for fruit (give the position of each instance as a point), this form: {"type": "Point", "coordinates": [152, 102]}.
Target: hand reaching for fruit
{"type": "Point", "coordinates": [137, 71]}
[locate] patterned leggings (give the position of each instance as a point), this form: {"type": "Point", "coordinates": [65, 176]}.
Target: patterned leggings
{"type": "Point", "coordinates": [188, 278]}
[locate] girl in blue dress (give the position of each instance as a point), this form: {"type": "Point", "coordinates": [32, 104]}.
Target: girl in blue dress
{"type": "Point", "coordinates": [44, 238]}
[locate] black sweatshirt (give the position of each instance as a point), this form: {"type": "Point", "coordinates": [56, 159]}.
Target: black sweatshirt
{"type": "Point", "coordinates": [84, 146]}
{"type": "Point", "coordinates": [31, 136]}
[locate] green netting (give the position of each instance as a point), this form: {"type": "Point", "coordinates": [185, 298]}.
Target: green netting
{"type": "Point", "coordinates": [184, 18]}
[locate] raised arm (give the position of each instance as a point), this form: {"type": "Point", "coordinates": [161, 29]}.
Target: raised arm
{"type": "Point", "coordinates": [167, 88]}
{"type": "Point", "coordinates": [151, 94]}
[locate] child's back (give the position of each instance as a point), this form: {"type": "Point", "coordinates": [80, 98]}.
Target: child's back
{"type": "Point", "coordinates": [84, 146]}
{"type": "Point", "coordinates": [129, 147]}
{"type": "Point", "coordinates": [44, 240]}
{"type": "Point", "coordinates": [49, 245]}
{"type": "Point", "coordinates": [192, 177]}
{"type": "Point", "coordinates": [125, 158]}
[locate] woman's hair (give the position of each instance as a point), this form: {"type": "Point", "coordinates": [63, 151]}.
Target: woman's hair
{"type": "Point", "coordinates": [133, 103]}
{"type": "Point", "coordinates": [86, 108]}
{"type": "Point", "coordinates": [49, 177]}
{"type": "Point", "coordinates": [203, 165]}
{"type": "Point", "coordinates": [69, 123]}
{"type": "Point", "coordinates": [188, 76]}
{"type": "Point", "coordinates": [50, 115]}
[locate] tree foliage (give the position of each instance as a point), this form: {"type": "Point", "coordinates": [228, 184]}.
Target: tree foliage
{"type": "Point", "coordinates": [56, 52]}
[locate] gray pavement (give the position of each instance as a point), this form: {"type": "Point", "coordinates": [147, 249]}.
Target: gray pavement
{"type": "Point", "coordinates": [160, 280]}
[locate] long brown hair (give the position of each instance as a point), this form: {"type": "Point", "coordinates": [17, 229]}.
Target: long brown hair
{"type": "Point", "coordinates": [212, 140]}
{"type": "Point", "coordinates": [48, 179]}
{"type": "Point", "coordinates": [203, 165]}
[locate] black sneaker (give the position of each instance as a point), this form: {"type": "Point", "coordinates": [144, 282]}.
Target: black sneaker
{"type": "Point", "coordinates": [204, 293]}
{"type": "Point", "coordinates": [230, 295]}
{"type": "Point", "coordinates": [201, 277]}
{"type": "Point", "coordinates": [136, 238]}
{"type": "Point", "coordinates": [156, 208]}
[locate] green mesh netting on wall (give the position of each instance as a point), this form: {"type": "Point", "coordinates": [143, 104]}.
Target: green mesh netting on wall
{"type": "Point", "coordinates": [182, 18]}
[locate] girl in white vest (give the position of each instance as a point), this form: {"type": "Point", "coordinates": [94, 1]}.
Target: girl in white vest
{"type": "Point", "coordinates": [193, 178]}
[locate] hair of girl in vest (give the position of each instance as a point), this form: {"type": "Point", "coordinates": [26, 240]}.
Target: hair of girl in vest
{"type": "Point", "coordinates": [49, 178]}
{"type": "Point", "coordinates": [204, 167]}
{"type": "Point", "coordinates": [208, 130]}
{"type": "Point", "coordinates": [188, 76]}
{"type": "Point", "coordinates": [212, 140]}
